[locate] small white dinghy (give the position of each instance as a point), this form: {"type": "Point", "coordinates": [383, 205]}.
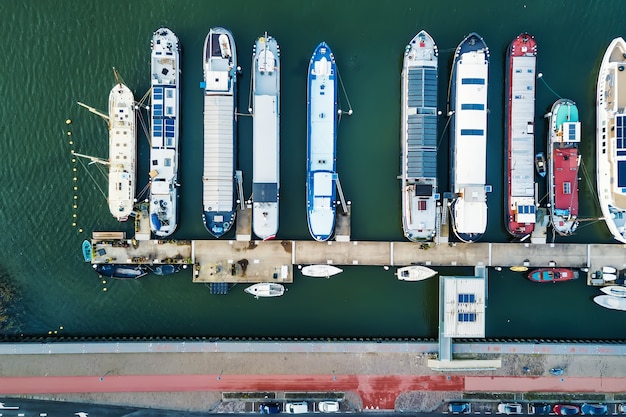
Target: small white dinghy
{"type": "Point", "coordinates": [321, 271]}
{"type": "Point", "coordinates": [266, 289]}
{"type": "Point", "coordinates": [415, 273]}
{"type": "Point", "coordinates": [614, 290]}
{"type": "Point", "coordinates": [608, 301]}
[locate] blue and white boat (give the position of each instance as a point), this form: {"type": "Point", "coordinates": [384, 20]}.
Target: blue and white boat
{"type": "Point", "coordinates": [265, 137]}
{"type": "Point", "coordinates": [121, 271]}
{"type": "Point", "coordinates": [87, 250]}
{"type": "Point", "coordinates": [220, 133]}
{"type": "Point", "coordinates": [419, 138]}
{"type": "Point", "coordinates": [611, 138]}
{"type": "Point", "coordinates": [321, 143]}
{"type": "Point", "coordinates": [468, 138]}
{"type": "Point", "coordinates": [164, 128]}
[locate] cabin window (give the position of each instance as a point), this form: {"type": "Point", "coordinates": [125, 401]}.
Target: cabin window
{"type": "Point", "coordinates": [167, 162]}
{"type": "Point", "coordinates": [472, 132]}
{"type": "Point", "coordinates": [170, 110]}
{"type": "Point", "coordinates": [567, 188]}
{"type": "Point", "coordinates": [170, 93]}
{"type": "Point", "coordinates": [467, 317]}
{"type": "Point", "coordinates": [479, 81]}
{"type": "Point", "coordinates": [467, 298]}
{"type": "Point", "coordinates": [518, 71]}
{"type": "Point", "coordinates": [472, 106]}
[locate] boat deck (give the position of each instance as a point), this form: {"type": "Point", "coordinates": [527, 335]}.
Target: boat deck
{"type": "Point", "coordinates": [218, 176]}
{"type": "Point", "coordinates": [214, 260]}
{"type": "Point", "coordinates": [566, 179]}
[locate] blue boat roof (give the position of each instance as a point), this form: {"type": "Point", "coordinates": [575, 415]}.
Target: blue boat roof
{"type": "Point", "coordinates": [422, 126]}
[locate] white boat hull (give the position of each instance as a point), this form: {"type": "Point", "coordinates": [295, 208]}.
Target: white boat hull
{"type": "Point", "coordinates": [610, 302]}
{"type": "Point", "coordinates": [320, 271]}
{"type": "Point", "coordinates": [266, 289]}
{"type": "Point", "coordinates": [610, 133]}
{"type": "Point", "coordinates": [122, 152]}
{"type": "Point", "coordinates": [265, 137]}
{"type": "Point", "coordinates": [164, 132]}
{"type": "Point", "coordinates": [419, 138]}
{"type": "Point", "coordinates": [415, 273]}
{"type": "Point", "coordinates": [614, 290]}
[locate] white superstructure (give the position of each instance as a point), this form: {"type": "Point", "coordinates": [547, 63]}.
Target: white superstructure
{"type": "Point", "coordinates": [265, 137]}
{"type": "Point", "coordinates": [164, 132]}
{"type": "Point", "coordinates": [122, 151]}
{"type": "Point", "coordinates": [611, 138]}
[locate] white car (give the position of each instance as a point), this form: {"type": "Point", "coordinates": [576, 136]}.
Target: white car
{"type": "Point", "coordinates": [328, 406]}
{"type": "Point", "coordinates": [509, 408]}
{"type": "Point", "coordinates": [297, 408]}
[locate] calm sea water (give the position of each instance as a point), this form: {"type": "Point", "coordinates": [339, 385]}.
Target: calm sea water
{"type": "Point", "coordinates": [57, 53]}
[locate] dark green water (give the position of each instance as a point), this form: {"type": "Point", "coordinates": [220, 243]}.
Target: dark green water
{"type": "Point", "coordinates": [60, 52]}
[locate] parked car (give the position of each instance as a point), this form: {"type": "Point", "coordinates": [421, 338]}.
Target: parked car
{"type": "Point", "coordinates": [457, 408]}
{"type": "Point", "coordinates": [328, 406]}
{"type": "Point", "coordinates": [566, 409]}
{"type": "Point", "coordinates": [297, 408]}
{"type": "Point", "coordinates": [594, 409]}
{"type": "Point", "coordinates": [540, 409]}
{"type": "Point", "coordinates": [509, 408]}
{"type": "Point", "coordinates": [270, 408]}
{"type": "Point", "coordinates": [621, 408]}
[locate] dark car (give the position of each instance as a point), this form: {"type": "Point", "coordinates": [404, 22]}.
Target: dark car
{"type": "Point", "coordinates": [270, 408]}
{"type": "Point", "coordinates": [594, 409]}
{"type": "Point", "coordinates": [566, 409]}
{"type": "Point", "coordinates": [540, 409]}
{"type": "Point", "coordinates": [456, 408]}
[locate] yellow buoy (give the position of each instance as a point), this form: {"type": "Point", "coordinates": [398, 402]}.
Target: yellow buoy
{"type": "Point", "coordinates": [61, 327]}
{"type": "Point", "coordinates": [69, 133]}
{"type": "Point", "coordinates": [104, 289]}
{"type": "Point", "coordinates": [80, 230]}
{"type": "Point", "coordinates": [519, 268]}
{"type": "Point", "coordinates": [68, 122]}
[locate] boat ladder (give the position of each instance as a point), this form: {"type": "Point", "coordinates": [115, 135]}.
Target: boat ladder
{"type": "Point", "coordinates": [240, 200]}
{"type": "Point", "coordinates": [342, 199]}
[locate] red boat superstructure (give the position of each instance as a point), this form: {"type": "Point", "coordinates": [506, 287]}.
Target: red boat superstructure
{"type": "Point", "coordinates": [520, 200]}
{"type": "Point", "coordinates": [563, 165]}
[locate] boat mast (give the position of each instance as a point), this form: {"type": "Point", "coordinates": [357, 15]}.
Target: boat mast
{"type": "Point", "coordinates": [93, 159]}
{"type": "Point", "coordinates": [94, 110]}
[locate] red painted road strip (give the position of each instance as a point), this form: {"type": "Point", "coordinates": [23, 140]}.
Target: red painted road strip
{"type": "Point", "coordinates": [375, 390]}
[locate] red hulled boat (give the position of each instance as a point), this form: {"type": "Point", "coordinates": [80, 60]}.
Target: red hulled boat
{"type": "Point", "coordinates": [520, 202]}
{"type": "Point", "coordinates": [552, 275]}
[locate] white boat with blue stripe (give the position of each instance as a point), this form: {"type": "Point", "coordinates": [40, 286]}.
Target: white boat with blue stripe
{"type": "Point", "coordinates": [220, 109]}
{"type": "Point", "coordinates": [165, 112]}
{"type": "Point", "coordinates": [419, 138]}
{"type": "Point", "coordinates": [611, 138]}
{"type": "Point", "coordinates": [468, 138]}
{"type": "Point", "coordinates": [321, 143]}
{"type": "Point", "coordinates": [265, 137]}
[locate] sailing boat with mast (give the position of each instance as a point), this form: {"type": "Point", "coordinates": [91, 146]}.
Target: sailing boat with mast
{"type": "Point", "coordinates": [122, 149]}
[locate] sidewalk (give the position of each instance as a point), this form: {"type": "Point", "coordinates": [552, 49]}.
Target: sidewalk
{"type": "Point", "coordinates": [195, 381]}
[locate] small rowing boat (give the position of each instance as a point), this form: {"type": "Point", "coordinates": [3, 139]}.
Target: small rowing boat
{"type": "Point", "coordinates": [321, 271]}
{"type": "Point", "coordinates": [415, 273]}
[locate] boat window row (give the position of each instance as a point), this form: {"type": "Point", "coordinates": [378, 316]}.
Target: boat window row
{"type": "Point", "coordinates": [472, 106]}
{"type": "Point", "coordinates": [467, 317]}
{"type": "Point", "coordinates": [467, 298]}
{"type": "Point", "coordinates": [479, 81]}
{"type": "Point", "coordinates": [472, 132]}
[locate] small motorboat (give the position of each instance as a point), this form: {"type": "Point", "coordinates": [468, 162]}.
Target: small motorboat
{"type": "Point", "coordinates": [266, 289]}
{"type": "Point", "coordinates": [540, 164]}
{"type": "Point", "coordinates": [611, 302]}
{"type": "Point", "coordinates": [120, 271]}
{"type": "Point", "coordinates": [552, 275]}
{"type": "Point", "coordinates": [87, 251]}
{"type": "Point", "coordinates": [166, 269]}
{"type": "Point", "coordinates": [414, 273]}
{"type": "Point", "coordinates": [320, 271]}
{"type": "Point", "coordinates": [614, 290]}
{"type": "Point", "coordinates": [556, 371]}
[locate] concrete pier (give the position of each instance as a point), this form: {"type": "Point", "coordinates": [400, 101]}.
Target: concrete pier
{"type": "Point", "coordinates": [259, 261]}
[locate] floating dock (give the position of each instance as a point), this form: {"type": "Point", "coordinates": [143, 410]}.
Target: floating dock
{"type": "Point", "coordinates": [273, 261]}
